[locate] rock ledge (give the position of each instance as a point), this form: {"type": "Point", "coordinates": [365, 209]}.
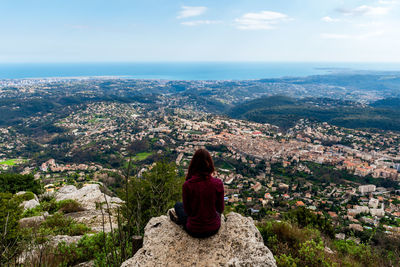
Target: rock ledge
{"type": "Point", "coordinates": [238, 243]}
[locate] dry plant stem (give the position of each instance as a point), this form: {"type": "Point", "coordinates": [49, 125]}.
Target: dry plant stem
{"type": "Point", "coordinates": [111, 227]}
{"type": "Point", "coordinates": [104, 235]}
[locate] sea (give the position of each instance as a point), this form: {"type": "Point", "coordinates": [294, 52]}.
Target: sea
{"type": "Point", "coordinates": [187, 70]}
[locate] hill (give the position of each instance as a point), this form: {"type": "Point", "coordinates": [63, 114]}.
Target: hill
{"type": "Point", "coordinates": [285, 112]}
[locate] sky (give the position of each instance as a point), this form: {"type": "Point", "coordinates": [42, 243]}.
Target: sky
{"type": "Point", "coordinates": [202, 30]}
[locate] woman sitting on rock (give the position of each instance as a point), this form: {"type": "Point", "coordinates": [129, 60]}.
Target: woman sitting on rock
{"type": "Point", "coordinates": [203, 198]}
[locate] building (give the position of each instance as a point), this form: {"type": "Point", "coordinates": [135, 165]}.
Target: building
{"type": "Point", "coordinates": [367, 188]}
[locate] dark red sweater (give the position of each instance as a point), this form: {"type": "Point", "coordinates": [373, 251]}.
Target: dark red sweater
{"type": "Point", "coordinates": [202, 199]}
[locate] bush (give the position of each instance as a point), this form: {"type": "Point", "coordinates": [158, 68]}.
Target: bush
{"type": "Point", "coordinates": [28, 196]}
{"type": "Point", "coordinates": [284, 260]}
{"type": "Point", "coordinates": [61, 225]}
{"type": "Point", "coordinates": [360, 253]}
{"type": "Point", "coordinates": [86, 249]}
{"type": "Point", "coordinates": [69, 205]}
{"type": "Point", "coordinates": [151, 196]}
{"type": "Point", "coordinates": [305, 217]}
{"type": "Point", "coordinates": [10, 212]}
{"type": "Point", "coordinates": [286, 238]}
{"type": "Point", "coordinates": [50, 206]}
{"type": "Point", "coordinates": [36, 211]}
{"type": "Point", "coordinates": [313, 253]}
{"type": "Point", "coordinates": [14, 182]}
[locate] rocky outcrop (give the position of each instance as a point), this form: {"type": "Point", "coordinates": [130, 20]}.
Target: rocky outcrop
{"type": "Point", "coordinates": [94, 219]}
{"type": "Point", "coordinates": [29, 204]}
{"type": "Point", "coordinates": [34, 221]}
{"type": "Point", "coordinates": [238, 243]}
{"type": "Point", "coordinates": [87, 196]}
{"type": "Point", "coordinates": [31, 254]}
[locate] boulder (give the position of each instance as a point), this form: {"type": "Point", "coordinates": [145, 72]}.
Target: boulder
{"type": "Point", "coordinates": [87, 196]}
{"type": "Point", "coordinates": [94, 220]}
{"type": "Point", "coordinates": [32, 255]}
{"type": "Point", "coordinates": [238, 243]}
{"type": "Point", "coordinates": [30, 204]}
{"type": "Point", "coordinates": [34, 221]}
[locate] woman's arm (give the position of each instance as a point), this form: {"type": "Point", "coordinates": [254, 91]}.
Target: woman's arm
{"type": "Point", "coordinates": [220, 205]}
{"type": "Point", "coordinates": [186, 200]}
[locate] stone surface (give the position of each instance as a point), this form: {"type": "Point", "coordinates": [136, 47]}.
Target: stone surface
{"type": "Point", "coordinates": [238, 243]}
{"type": "Point", "coordinates": [30, 256]}
{"type": "Point", "coordinates": [30, 204]}
{"type": "Point", "coordinates": [34, 221]}
{"type": "Point", "coordinates": [87, 196]}
{"type": "Point", "coordinates": [94, 220]}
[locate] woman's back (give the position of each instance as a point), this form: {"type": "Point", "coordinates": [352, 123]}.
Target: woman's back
{"type": "Point", "coordinates": [203, 201]}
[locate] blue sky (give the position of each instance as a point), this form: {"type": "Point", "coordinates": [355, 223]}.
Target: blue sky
{"type": "Point", "coordinates": [218, 30]}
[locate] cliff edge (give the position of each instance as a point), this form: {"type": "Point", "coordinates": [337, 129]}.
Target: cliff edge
{"type": "Point", "coordinates": [238, 243]}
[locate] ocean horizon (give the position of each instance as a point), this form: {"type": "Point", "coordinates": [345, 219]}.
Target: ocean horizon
{"type": "Point", "coordinates": [186, 70]}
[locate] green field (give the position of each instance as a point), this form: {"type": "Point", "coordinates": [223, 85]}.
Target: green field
{"type": "Point", "coordinates": [224, 165]}
{"type": "Point", "coordinates": [142, 156]}
{"type": "Point", "coordinates": [11, 162]}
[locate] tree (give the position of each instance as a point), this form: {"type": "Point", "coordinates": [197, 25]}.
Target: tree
{"type": "Point", "coordinates": [10, 237]}
{"type": "Point", "coordinates": [14, 182]}
{"type": "Point", "coordinates": [152, 195]}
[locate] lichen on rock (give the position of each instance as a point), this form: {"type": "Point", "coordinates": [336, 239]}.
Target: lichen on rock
{"type": "Point", "coordinates": [238, 243]}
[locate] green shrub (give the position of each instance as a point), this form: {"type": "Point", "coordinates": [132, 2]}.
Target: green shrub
{"type": "Point", "coordinates": [313, 253]}
{"type": "Point", "coordinates": [360, 253]}
{"type": "Point", "coordinates": [88, 248]}
{"type": "Point", "coordinates": [284, 260]}
{"type": "Point", "coordinates": [14, 182]}
{"type": "Point", "coordinates": [36, 211]}
{"type": "Point", "coordinates": [69, 205]}
{"type": "Point", "coordinates": [284, 237]}
{"type": "Point", "coordinates": [28, 196]}
{"type": "Point", "coordinates": [50, 205]}
{"type": "Point", "coordinates": [305, 217]}
{"type": "Point", "coordinates": [10, 212]}
{"type": "Point", "coordinates": [61, 225]}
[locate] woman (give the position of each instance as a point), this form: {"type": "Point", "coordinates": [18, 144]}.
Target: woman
{"type": "Point", "coordinates": [203, 198]}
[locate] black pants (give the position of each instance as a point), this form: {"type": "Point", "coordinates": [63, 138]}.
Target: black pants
{"type": "Point", "coordinates": [182, 219]}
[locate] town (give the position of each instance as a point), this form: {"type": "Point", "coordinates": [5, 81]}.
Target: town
{"type": "Point", "coordinates": [350, 176]}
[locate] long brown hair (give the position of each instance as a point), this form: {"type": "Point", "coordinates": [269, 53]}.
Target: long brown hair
{"type": "Point", "coordinates": [201, 164]}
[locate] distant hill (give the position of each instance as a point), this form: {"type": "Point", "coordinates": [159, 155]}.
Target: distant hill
{"type": "Point", "coordinates": [392, 103]}
{"type": "Point", "coordinates": [285, 112]}
{"type": "Point", "coordinates": [384, 81]}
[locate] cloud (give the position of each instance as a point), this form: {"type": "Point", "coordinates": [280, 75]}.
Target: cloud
{"type": "Point", "coordinates": [334, 36]}
{"type": "Point", "coordinates": [200, 22]}
{"type": "Point", "coordinates": [330, 19]}
{"type": "Point", "coordinates": [388, 2]}
{"type": "Point", "coordinates": [264, 20]}
{"type": "Point", "coordinates": [365, 10]}
{"type": "Point", "coordinates": [351, 36]}
{"type": "Point", "coordinates": [191, 11]}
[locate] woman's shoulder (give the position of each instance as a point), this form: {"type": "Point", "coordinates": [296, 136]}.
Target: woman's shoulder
{"type": "Point", "coordinates": [217, 181]}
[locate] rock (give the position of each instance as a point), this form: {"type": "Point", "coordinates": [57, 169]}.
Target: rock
{"type": "Point", "coordinates": [33, 254]}
{"type": "Point", "coordinates": [67, 189]}
{"type": "Point", "coordinates": [30, 204]}
{"type": "Point", "coordinates": [94, 220]}
{"type": "Point", "coordinates": [86, 264]}
{"type": "Point", "coordinates": [238, 243]}
{"type": "Point", "coordinates": [34, 221]}
{"type": "Point", "coordinates": [328, 250]}
{"type": "Point", "coordinates": [340, 236]}
{"type": "Point", "coordinates": [24, 192]}
{"type": "Point", "coordinates": [54, 241]}
{"type": "Point", "coordinates": [87, 196]}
